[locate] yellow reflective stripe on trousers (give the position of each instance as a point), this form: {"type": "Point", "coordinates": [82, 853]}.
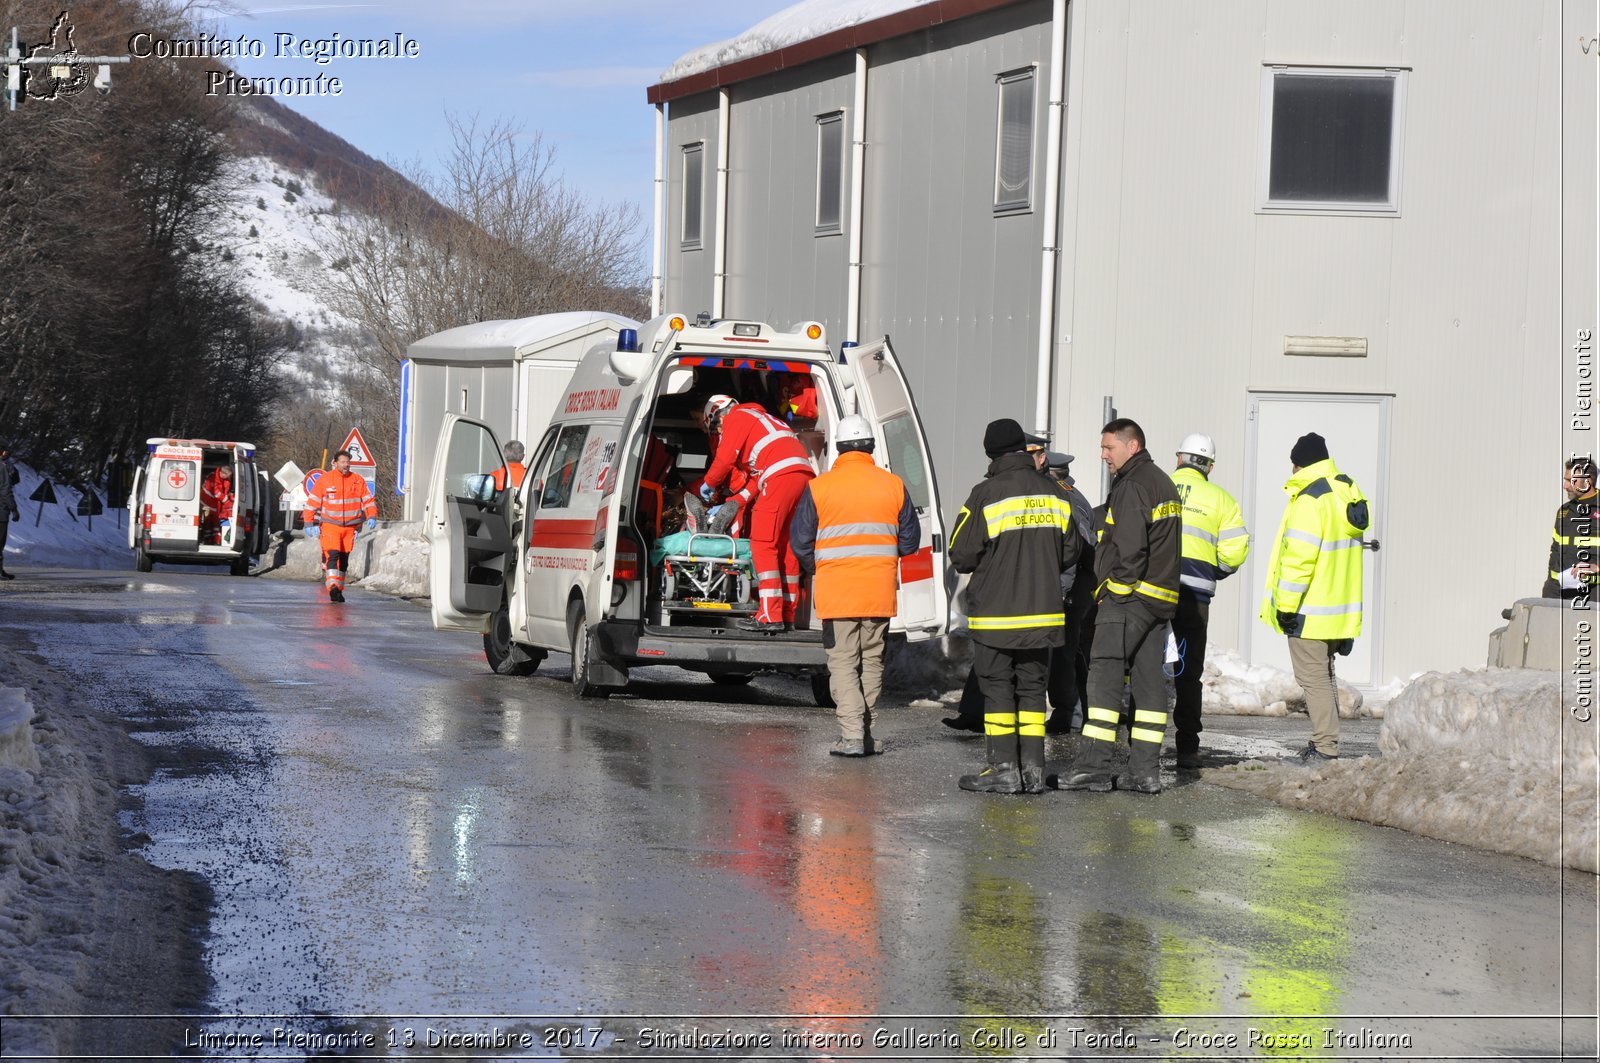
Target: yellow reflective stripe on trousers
{"type": "Point", "coordinates": [1142, 734]}
{"type": "Point", "coordinates": [999, 723]}
{"type": "Point", "coordinates": [1015, 623]}
{"type": "Point", "coordinates": [1111, 716]}
{"type": "Point", "coordinates": [1104, 734]}
{"type": "Point", "coordinates": [1030, 724]}
{"type": "Point", "coordinates": [1150, 716]}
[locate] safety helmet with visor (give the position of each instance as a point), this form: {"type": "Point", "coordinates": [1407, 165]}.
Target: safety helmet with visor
{"type": "Point", "coordinates": [854, 434]}
{"type": "Point", "coordinates": [1197, 445]}
{"type": "Point", "coordinates": [716, 406]}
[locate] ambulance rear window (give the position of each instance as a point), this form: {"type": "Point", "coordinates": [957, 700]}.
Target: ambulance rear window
{"type": "Point", "coordinates": [177, 479]}
{"type": "Point", "coordinates": [905, 458]}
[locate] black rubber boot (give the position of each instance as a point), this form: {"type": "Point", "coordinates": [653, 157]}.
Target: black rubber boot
{"type": "Point", "coordinates": [1032, 756]}
{"type": "Point", "coordinates": [1144, 769]}
{"type": "Point", "coordinates": [335, 594]}
{"type": "Point", "coordinates": [1091, 768]}
{"type": "Point", "coordinates": [1001, 776]}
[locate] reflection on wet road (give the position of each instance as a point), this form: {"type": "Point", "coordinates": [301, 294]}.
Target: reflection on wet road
{"type": "Point", "coordinates": [393, 831]}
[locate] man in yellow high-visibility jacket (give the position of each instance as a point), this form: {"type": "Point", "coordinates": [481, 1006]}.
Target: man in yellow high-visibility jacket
{"type": "Point", "coordinates": [1314, 583]}
{"type": "Point", "coordinates": [1215, 543]}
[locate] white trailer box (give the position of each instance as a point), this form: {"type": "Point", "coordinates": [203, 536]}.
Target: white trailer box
{"type": "Point", "coordinates": [507, 374]}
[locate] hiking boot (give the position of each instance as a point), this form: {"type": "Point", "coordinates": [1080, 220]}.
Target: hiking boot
{"type": "Point", "coordinates": [695, 512]}
{"type": "Point", "coordinates": [766, 627]}
{"type": "Point", "coordinates": [1310, 757]}
{"type": "Point", "coordinates": [1097, 781]}
{"type": "Point", "coordinates": [1032, 758]}
{"type": "Point", "coordinates": [1189, 760]}
{"type": "Point", "coordinates": [335, 594]}
{"type": "Point", "coordinates": [846, 747]}
{"type": "Point", "coordinates": [1139, 784]}
{"type": "Point", "coordinates": [995, 779]}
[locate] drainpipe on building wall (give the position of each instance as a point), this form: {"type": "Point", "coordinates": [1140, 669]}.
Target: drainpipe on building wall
{"type": "Point", "coordinates": [1050, 258]}
{"type": "Point", "coordinates": [858, 163]}
{"type": "Point", "coordinates": [719, 269]}
{"type": "Point", "coordinates": [658, 240]}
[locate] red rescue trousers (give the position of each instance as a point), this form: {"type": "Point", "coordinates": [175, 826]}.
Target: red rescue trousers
{"type": "Point", "coordinates": [337, 543]}
{"type": "Point", "coordinates": [777, 569]}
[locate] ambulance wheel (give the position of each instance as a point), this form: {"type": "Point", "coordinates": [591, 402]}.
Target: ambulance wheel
{"type": "Point", "coordinates": [141, 560]}
{"type": "Point", "coordinates": [732, 679]}
{"type": "Point", "coordinates": [581, 642]}
{"type": "Point", "coordinates": [504, 656]}
{"type": "Point", "coordinates": [239, 566]}
{"type": "Point", "coordinates": [821, 693]}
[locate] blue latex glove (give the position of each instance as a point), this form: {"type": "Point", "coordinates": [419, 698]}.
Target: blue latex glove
{"type": "Point", "coordinates": [707, 492]}
{"type": "Point", "coordinates": [372, 524]}
{"type": "Point", "coordinates": [312, 523]}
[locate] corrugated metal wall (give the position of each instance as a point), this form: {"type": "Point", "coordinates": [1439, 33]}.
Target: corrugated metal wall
{"type": "Point", "coordinates": [1176, 293]}
{"type": "Point", "coordinates": [1179, 293]}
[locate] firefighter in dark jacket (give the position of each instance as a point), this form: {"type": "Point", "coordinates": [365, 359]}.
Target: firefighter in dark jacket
{"type": "Point", "coordinates": [1014, 536]}
{"type": "Point", "coordinates": [1136, 588]}
{"type": "Point", "coordinates": [1575, 543]}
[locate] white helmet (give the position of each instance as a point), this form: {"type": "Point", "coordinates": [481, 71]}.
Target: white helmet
{"type": "Point", "coordinates": [716, 406]}
{"type": "Point", "coordinates": [1197, 445]}
{"type": "Point", "coordinates": [854, 434]}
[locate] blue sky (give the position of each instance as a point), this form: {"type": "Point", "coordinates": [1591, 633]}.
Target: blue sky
{"type": "Point", "coordinates": [575, 70]}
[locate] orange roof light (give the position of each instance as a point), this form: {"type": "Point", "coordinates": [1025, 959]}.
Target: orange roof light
{"type": "Point", "coordinates": [813, 331]}
{"type": "Point", "coordinates": [675, 324]}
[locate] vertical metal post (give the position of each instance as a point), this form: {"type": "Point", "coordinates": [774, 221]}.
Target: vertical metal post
{"type": "Point", "coordinates": [1108, 413]}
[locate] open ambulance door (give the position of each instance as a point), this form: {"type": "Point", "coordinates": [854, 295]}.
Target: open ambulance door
{"type": "Point", "coordinates": [261, 540]}
{"type": "Point", "coordinates": [136, 506]}
{"type": "Point", "coordinates": [884, 399]}
{"type": "Point", "coordinates": [468, 527]}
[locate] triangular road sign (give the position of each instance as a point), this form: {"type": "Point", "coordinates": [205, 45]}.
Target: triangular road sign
{"type": "Point", "coordinates": [359, 454]}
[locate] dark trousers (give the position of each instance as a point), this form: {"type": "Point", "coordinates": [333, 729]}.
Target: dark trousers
{"type": "Point", "coordinates": [1189, 627]}
{"type": "Point", "coordinates": [1127, 637]}
{"type": "Point", "coordinates": [1069, 664]}
{"type": "Point", "coordinates": [1013, 683]}
{"type": "Point", "coordinates": [5, 530]}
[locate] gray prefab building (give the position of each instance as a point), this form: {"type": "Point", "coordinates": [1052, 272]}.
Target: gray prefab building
{"type": "Point", "coordinates": [1250, 218]}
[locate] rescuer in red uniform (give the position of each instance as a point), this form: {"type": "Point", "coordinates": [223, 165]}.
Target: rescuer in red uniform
{"type": "Point", "coordinates": [756, 443]}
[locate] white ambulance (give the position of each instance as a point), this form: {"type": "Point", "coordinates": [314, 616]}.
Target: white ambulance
{"type": "Point", "coordinates": [169, 520]}
{"type": "Point", "coordinates": [574, 562]}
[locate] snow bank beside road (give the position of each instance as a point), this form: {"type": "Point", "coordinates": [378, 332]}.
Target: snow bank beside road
{"type": "Point", "coordinates": [1493, 759]}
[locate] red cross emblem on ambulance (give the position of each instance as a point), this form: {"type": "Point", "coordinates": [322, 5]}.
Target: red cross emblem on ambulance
{"type": "Point", "coordinates": [177, 478]}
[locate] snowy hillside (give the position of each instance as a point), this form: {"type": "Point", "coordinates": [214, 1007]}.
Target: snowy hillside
{"type": "Point", "coordinates": [61, 538]}
{"type": "Point", "coordinates": [277, 233]}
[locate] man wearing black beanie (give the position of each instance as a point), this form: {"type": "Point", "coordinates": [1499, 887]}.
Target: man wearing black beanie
{"type": "Point", "coordinates": [1014, 536]}
{"type": "Point", "coordinates": [1314, 583]}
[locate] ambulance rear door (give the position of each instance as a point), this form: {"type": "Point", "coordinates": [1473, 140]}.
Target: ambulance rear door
{"type": "Point", "coordinates": [136, 507]}
{"type": "Point", "coordinates": [467, 527]}
{"type": "Point", "coordinates": [884, 399]}
{"type": "Point", "coordinates": [172, 498]}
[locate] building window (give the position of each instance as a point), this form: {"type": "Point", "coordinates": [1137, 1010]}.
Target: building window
{"type": "Point", "coordinates": [694, 192]}
{"type": "Point", "coordinates": [830, 171]}
{"type": "Point", "coordinates": [1331, 139]}
{"type": "Point", "coordinates": [1013, 152]}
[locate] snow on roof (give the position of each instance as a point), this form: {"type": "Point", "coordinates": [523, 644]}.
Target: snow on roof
{"type": "Point", "coordinates": [493, 340]}
{"type": "Point", "coordinates": [802, 22]}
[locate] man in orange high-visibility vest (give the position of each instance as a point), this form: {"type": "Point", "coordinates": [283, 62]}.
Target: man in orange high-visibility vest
{"type": "Point", "coordinates": [339, 504]}
{"type": "Point", "coordinates": [851, 527]}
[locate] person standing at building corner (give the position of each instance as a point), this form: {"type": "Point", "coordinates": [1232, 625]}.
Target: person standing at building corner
{"type": "Point", "coordinates": [1136, 570]}
{"type": "Point", "coordinates": [1575, 542]}
{"type": "Point", "coordinates": [1067, 671]}
{"type": "Point", "coordinates": [513, 453]}
{"type": "Point", "coordinates": [9, 478]}
{"type": "Point", "coordinates": [1014, 536]}
{"type": "Point", "coordinates": [1215, 544]}
{"type": "Point", "coordinates": [756, 443]}
{"type": "Point", "coordinates": [340, 503]}
{"type": "Point", "coordinates": [1314, 583]}
{"type": "Point", "coordinates": [850, 527]}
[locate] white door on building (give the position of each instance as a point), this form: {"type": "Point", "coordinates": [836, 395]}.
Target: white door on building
{"type": "Point", "coordinates": [1357, 430]}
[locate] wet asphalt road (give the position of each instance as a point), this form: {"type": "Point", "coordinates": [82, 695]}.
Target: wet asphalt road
{"type": "Point", "coordinates": [404, 846]}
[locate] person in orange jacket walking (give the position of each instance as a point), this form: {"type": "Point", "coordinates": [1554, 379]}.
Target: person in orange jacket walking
{"type": "Point", "coordinates": [339, 504]}
{"type": "Point", "coordinates": [850, 527]}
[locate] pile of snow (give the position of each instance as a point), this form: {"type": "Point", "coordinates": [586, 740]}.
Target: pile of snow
{"type": "Point", "coordinates": [16, 732]}
{"type": "Point", "coordinates": [1493, 758]}
{"type": "Point", "coordinates": [1233, 686]}
{"type": "Point", "coordinates": [803, 22]}
{"type": "Point", "coordinates": [52, 533]}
